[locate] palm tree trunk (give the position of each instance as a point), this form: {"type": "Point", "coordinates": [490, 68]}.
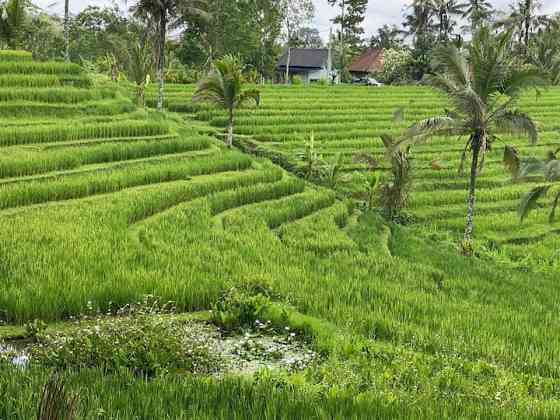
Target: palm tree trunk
{"type": "Point", "coordinates": [288, 61]}
{"type": "Point", "coordinates": [469, 229]}
{"type": "Point", "coordinates": [161, 59]}
{"type": "Point", "coordinates": [141, 95]}
{"type": "Point", "coordinates": [67, 30]}
{"type": "Point", "coordinates": [230, 129]}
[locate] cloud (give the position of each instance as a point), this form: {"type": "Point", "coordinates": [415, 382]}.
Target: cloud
{"type": "Point", "coordinates": [391, 12]}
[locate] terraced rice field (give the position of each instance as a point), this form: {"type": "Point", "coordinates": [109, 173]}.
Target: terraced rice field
{"type": "Point", "coordinates": [349, 120]}
{"type": "Point", "coordinates": [101, 204]}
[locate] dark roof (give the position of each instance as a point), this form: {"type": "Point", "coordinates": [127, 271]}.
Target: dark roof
{"type": "Point", "coordinates": [305, 58]}
{"type": "Point", "coordinates": [370, 61]}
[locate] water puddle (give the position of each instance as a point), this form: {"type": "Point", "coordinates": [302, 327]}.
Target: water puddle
{"type": "Point", "coordinates": [13, 354]}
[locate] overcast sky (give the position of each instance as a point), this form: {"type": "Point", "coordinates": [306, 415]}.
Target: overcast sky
{"type": "Point", "coordinates": [380, 12]}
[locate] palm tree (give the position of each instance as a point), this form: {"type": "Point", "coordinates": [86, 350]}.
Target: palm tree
{"type": "Point", "coordinates": [544, 53]}
{"type": "Point", "coordinates": [165, 13]}
{"type": "Point", "coordinates": [478, 11]}
{"type": "Point", "coordinates": [67, 30]}
{"type": "Point", "coordinates": [525, 20]}
{"type": "Point", "coordinates": [224, 87]}
{"type": "Point", "coordinates": [483, 90]}
{"type": "Point", "coordinates": [445, 10]}
{"type": "Point", "coordinates": [419, 21]}
{"type": "Point", "coordinates": [551, 169]}
{"type": "Point", "coordinates": [13, 15]}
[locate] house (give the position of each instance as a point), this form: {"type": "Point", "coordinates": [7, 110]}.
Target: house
{"type": "Point", "coordinates": [371, 61]}
{"type": "Point", "coordinates": [311, 64]}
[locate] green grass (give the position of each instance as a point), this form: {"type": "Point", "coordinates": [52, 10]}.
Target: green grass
{"type": "Point", "coordinates": [110, 207]}
{"type": "Point", "coordinates": [349, 120]}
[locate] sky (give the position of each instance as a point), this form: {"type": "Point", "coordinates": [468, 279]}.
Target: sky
{"type": "Point", "coordinates": [390, 12]}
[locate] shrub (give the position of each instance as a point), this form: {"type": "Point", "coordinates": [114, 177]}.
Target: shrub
{"type": "Point", "coordinates": [146, 339]}
{"type": "Point", "coordinates": [240, 308]}
{"type": "Point", "coordinates": [297, 81]}
{"type": "Point", "coordinates": [395, 68]}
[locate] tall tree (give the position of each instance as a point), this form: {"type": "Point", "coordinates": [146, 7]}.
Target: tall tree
{"type": "Point", "coordinates": [295, 15]}
{"type": "Point", "coordinates": [525, 19]}
{"type": "Point", "coordinates": [387, 37]}
{"type": "Point", "coordinates": [478, 12]}
{"type": "Point", "coordinates": [352, 14]}
{"type": "Point", "coordinates": [140, 57]}
{"type": "Point", "coordinates": [224, 87]}
{"type": "Point", "coordinates": [96, 32]}
{"type": "Point", "coordinates": [250, 29]}
{"type": "Point", "coordinates": [309, 38]}
{"type": "Point", "coordinates": [67, 30]}
{"type": "Point", "coordinates": [165, 13]}
{"type": "Point", "coordinates": [13, 18]}
{"type": "Point", "coordinates": [544, 52]}
{"type": "Point", "coordinates": [419, 20]}
{"type": "Point", "coordinates": [419, 25]}
{"type": "Point", "coordinates": [483, 90]}
{"type": "Point", "coordinates": [446, 11]}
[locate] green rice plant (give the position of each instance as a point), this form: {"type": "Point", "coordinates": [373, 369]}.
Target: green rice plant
{"type": "Point", "coordinates": [14, 55]}
{"type": "Point", "coordinates": [60, 110]}
{"type": "Point", "coordinates": [44, 80]}
{"type": "Point", "coordinates": [63, 132]}
{"type": "Point", "coordinates": [55, 95]}
{"type": "Point", "coordinates": [117, 178]}
{"type": "Point", "coordinates": [34, 67]}
{"type": "Point", "coordinates": [22, 162]}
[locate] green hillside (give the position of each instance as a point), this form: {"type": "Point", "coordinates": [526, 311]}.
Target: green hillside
{"type": "Point", "coordinates": [103, 204]}
{"type": "Point", "coordinates": [348, 121]}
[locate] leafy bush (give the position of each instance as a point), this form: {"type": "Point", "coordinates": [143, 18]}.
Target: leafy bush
{"type": "Point", "coordinates": [395, 68]}
{"type": "Point", "coordinates": [240, 308]}
{"type": "Point", "coordinates": [146, 339]}
{"type": "Point", "coordinates": [297, 81]}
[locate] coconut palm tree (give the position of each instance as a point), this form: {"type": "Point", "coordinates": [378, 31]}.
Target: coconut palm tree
{"type": "Point", "coordinates": [524, 19]}
{"type": "Point", "coordinates": [483, 89]}
{"type": "Point", "coordinates": [224, 87]}
{"type": "Point", "coordinates": [67, 30]}
{"type": "Point", "coordinates": [166, 13]}
{"type": "Point", "coordinates": [419, 21]}
{"type": "Point", "coordinates": [478, 12]}
{"type": "Point", "coordinates": [445, 11]}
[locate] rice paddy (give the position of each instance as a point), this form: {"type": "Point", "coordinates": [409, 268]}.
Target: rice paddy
{"type": "Point", "coordinates": [102, 204]}
{"type": "Point", "coordinates": [347, 121]}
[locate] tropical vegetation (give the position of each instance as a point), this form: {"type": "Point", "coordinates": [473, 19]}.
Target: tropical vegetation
{"type": "Point", "coordinates": [313, 265]}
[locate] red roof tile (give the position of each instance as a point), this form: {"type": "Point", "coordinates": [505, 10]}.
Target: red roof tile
{"type": "Point", "coordinates": [370, 61]}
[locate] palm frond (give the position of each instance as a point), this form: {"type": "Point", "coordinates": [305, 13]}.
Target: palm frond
{"type": "Point", "coordinates": [367, 158]}
{"type": "Point", "coordinates": [470, 104]}
{"type": "Point", "coordinates": [431, 126]}
{"type": "Point", "coordinates": [388, 140]}
{"type": "Point", "coordinates": [511, 161]}
{"type": "Point", "coordinates": [552, 171]}
{"type": "Point", "coordinates": [555, 204]}
{"type": "Point", "coordinates": [442, 82]}
{"type": "Point", "coordinates": [530, 201]}
{"type": "Point", "coordinates": [250, 95]}
{"type": "Point", "coordinates": [449, 59]}
{"type": "Point", "coordinates": [398, 115]}
{"type": "Point", "coordinates": [516, 122]}
{"type": "Point", "coordinates": [519, 81]}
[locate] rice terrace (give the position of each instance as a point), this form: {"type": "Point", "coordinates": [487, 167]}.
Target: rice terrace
{"type": "Point", "coordinates": [279, 209]}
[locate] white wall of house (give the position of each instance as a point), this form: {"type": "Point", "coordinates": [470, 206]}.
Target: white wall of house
{"type": "Point", "coordinates": [316, 75]}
